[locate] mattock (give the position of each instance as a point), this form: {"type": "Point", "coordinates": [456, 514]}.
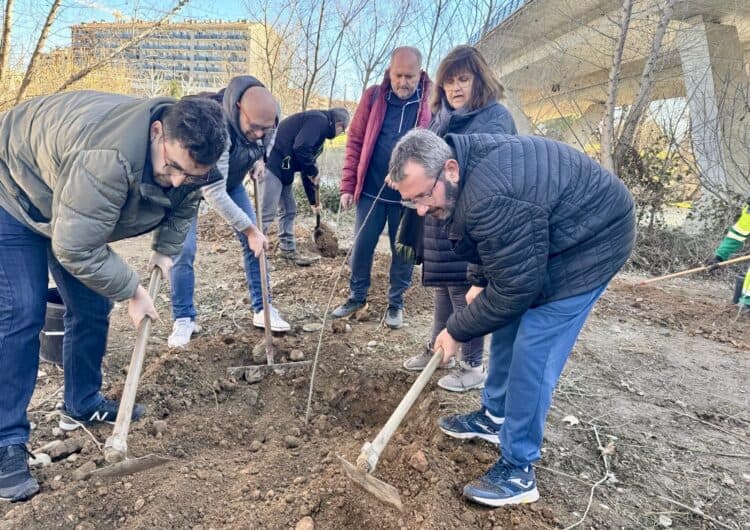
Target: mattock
{"type": "Point", "coordinates": [116, 446]}
{"type": "Point", "coordinates": [368, 458]}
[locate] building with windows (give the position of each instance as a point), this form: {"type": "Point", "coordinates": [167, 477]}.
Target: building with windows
{"type": "Point", "coordinates": [193, 55]}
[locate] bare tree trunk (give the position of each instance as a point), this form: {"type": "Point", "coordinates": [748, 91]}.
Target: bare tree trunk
{"type": "Point", "coordinates": [5, 43]}
{"type": "Point", "coordinates": [638, 108]}
{"type": "Point", "coordinates": [608, 131]}
{"type": "Point", "coordinates": [313, 73]}
{"type": "Point", "coordinates": [135, 40]}
{"type": "Point", "coordinates": [31, 68]}
{"type": "Point", "coordinates": [433, 32]}
{"type": "Point", "coordinates": [334, 72]}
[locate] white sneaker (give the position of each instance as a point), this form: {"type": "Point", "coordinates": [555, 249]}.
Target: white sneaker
{"type": "Point", "coordinates": [277, 323]}
{"type": "Point", "coordinates": [182, 330]}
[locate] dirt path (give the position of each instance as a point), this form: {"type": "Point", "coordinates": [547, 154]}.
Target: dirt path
{"type": "Point", "coordinates": [659, 376]}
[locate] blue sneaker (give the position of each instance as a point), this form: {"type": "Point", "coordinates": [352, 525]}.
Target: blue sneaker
{"type": "Point", "coordinates": [16, 482]}
{"type": "Point", "coordinates": [105, 412]}
{"type": "Point", "coordinates": [502, 485]}
{"type": "Point", "coordinates": [472, 425]}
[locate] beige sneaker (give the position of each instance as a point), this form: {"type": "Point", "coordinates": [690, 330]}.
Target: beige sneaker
{"type": "Point", "coordinates": [419, 361]}
{"type": "Point", "coordinates": [466, 377]}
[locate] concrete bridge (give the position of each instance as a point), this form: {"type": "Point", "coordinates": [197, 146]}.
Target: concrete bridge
{"type": "Point", "coordinates": [554, 57]}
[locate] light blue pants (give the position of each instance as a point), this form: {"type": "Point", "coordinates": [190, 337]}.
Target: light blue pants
{"type": "Point", "coordinates": [526, 359]}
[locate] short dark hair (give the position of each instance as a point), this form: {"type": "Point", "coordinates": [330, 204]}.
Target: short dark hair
{"type": "Point", "coordinates": [463, 58]}
{"type": "Point", "coordinates": [198, 125]}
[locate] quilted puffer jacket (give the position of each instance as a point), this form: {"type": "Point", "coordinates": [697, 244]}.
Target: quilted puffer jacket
{"type": "Point", "coordinates": [440, 265]}
{"type": "Point", "coordinates": [538, 221]}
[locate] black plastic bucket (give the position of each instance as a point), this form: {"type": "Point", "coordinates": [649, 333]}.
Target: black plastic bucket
{"type": "Point", "coordinates": [51, 337]}
{"type": "Point", "coordinates": [738, 281]}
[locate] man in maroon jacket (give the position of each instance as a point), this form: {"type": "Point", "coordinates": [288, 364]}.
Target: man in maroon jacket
{"type": "Point", "coordinates": [385, 113]}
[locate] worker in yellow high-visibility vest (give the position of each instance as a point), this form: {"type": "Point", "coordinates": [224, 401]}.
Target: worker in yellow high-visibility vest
{"type": "Point", "coordinates": [733, 242]}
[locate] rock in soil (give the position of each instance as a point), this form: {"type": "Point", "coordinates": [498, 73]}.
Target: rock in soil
{"type": "Point", "coordinates": [66, 448]}
{"type": "Point", "coordinates": [40, 460]}
{"type": "Point", "coordinates": [292, 441]}
{"type": "Point", "coordinates": [419, 461]}
{"type": "Point", "coordinates": [296, 355]}
{"type": "Point", "coordinates": [306, 523]}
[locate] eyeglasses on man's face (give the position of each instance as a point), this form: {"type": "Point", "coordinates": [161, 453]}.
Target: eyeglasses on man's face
{"type": "Point", "coordinates": [422, 198]}
{"type": "Point", "coordinates": [173, 168]}
{"type": "Point", "coordinates": [255, 131]}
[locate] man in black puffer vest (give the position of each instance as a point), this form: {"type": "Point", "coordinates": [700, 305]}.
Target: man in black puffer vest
{"type": "Point", "coordinates": [544, 229]}
{"type": "Point", "coordinates": [252, 115]}
{"type": "Point", "coordinates": [298, 144]}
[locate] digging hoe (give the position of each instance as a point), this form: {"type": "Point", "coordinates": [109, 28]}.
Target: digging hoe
{"type": "Point", "coordinates": [116, 446]}
{"type": "Point", "coordinates": [371, 451]}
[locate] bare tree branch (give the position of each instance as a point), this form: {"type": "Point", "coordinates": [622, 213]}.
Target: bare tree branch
{"type": "Point", "coordinates": [31, 68]}
{"type": "Point", "coordinates": [5, 43]}
{"type": "Point", "coordinates": [608, 131]}
{"type": "Point", "coordinates": [641, 101]}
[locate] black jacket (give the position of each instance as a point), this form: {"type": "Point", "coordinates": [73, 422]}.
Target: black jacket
{"type": "Point", "coordinates": [299, 142]}
{"type": "Point", "coordinates": [541, 220]}
{"type": "Point", "coordinates": [440, 265]}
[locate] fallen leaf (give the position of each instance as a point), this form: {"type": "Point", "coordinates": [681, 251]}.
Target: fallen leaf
{"type": "Point", "coordinates": [609, 450]}
{"type": "Point", "coordinates": [571, 420]}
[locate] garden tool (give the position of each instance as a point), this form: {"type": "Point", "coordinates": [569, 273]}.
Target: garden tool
{"type": "Point", "coordinates": [696, 269]}
{"type": "Point", "coordinates": [270, 352]}
{"type": "Point", "coordinates": [371, 451]}
{"type": "Point", "coordinates": [254, 373]}
{"type": "Point", "coordinates": [324, 236]}
{"type": "Point", "coordinates": [116, 446]}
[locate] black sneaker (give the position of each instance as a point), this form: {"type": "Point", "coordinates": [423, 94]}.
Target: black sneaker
{"type": "Point", "coordinates": [105, 412]}
{"type": "Point", "coordinates": [16, 482]}
{"type": "Point", "coordinates": [347, 309]}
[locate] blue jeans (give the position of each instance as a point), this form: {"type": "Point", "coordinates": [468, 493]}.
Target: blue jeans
{"type": "Point", "coordinates": [277, 196]}
{"type": "Point", "coordinates": [527, 357]}
{"type": "Point", "coordinates": [25, 257]}
{"type": "Point", "coordinates": [364, 250]}
{"type": "Point", "coordinates": [182, 281]}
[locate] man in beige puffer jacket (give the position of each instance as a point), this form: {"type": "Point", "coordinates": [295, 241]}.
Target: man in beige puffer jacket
{"type": "Point", "coordinates": [77, 171]}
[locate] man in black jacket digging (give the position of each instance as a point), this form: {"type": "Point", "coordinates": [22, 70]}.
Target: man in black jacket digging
{"type": "Point", "coordinates": [299, 142]}
{"type": "Point", "coordinates": [544, 228]}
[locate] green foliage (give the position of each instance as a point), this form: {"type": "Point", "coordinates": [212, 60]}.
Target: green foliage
{"type": "Point", "coordinates": [329, 196]}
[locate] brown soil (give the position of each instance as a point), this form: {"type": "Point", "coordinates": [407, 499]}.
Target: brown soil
{"type": "Point", "coordinates": [659, 378]}
{"type": "Point", "coordinates": [326, 241]}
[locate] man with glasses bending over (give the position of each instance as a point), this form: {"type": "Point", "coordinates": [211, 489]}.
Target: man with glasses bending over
{"type": "Point", "coordinates": [77, 171]}
{"type": "Point", "coordinates": [544, 229]}
{"type": "Point", "coordinates": [252, 115]}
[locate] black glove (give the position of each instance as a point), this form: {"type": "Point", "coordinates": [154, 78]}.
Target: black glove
{"type": "Point", "coordinates": [713, 263]}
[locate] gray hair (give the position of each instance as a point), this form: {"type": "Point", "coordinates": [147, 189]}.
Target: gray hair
{"type": "Point", "coordinates": [340, 115]}
{"type": "Point", "coordinates": [407, 49]}
{"type": "Point", "coordinates": [420, 146]}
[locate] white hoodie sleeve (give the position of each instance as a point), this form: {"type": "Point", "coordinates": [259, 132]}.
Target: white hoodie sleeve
{"type": "Point", "coordinates": [217, 197]}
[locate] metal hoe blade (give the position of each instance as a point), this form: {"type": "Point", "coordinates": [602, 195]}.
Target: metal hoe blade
{"type": "Point", "coordinates": [381, 490]}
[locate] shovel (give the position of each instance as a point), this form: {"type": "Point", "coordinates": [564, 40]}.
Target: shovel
{"type": "Point", "coordinates": [371, 451]}
{"type": "Point", "coordinates": [116, 446]}
{"type": "Point", "coordinates": [323, 236]}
